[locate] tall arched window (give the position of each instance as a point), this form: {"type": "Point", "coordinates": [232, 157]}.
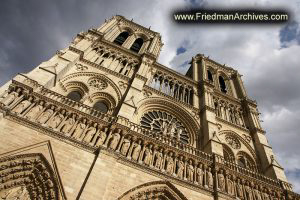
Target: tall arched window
{"type": "Point", "coordinates": [121, 38]}
{"type": "Point", "coordinates": [101, 106]}
{"type": "Point", "coordinates": [75, 96]}
{"type": "Point", "coordinates": [222, 84]}
{"type": "Point", "coordinates": [210, 76]}
{"type": "Point", "coordinates": [228, 154]}
{"type": "Point", "coordinates": [136, 46]}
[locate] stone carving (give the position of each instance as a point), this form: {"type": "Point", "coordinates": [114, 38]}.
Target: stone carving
{"type": "Point", "coordinates": [200, 174]}
{"type": "Point", "coordinates": [57, 119]}
{"type": "Point", "coordinates": [209, 178]}
{"type": "Point", "coordinates": [97, 83]}
{"type": "Point", "coordinates": [148, 155]}
{"type": "Point", "coordinates": [80, 67]}
{"type": "Point", "coordinates": [170, 163]}
{"type": "Point", "coordinates": [166, 124]}
{"type": "Point", "coordinates": [190, 171]}
{"type": "Point", "coordinates": [248, 192]}
{"type": "Point", "coordinates": [232, 141]}
{"type": "Point", "coordinates": [221, 181]}
{"type": "Point", "coordinates": [115, 139]}
{"type": "Point", "coordinates": [136, 150]}
{"type": "Point", "coordinates": [180, 169]}
{"type": "Point", "coordinates": [32, 113]}
{"type": "Point", "coordinates": [10, 98]}
{"type": "Point", "coordinates": [90, 132]}
{"type": "Point", "coordinates": [265, 195]}
{"type": "Point", "coordinates": [158, 159]}
{"type": "Point", "coordinates": [46, 115]}
{"type": "Point", "coordinates": [79, 130]}
{"type": "Point", "coordinates": [15, 194]}
{"type": "Point", "coordinates": [230, 185]}
{"type": "Point", "coordinates": [256, 192]}
{"type": "Point", "coordinates": [22, 106]}
{"type": "Point", "coordinates": [102, 137]}
{"type": "Point", "coordinates": [239, 189]}
{"type": "Point", "coordinates": [68, 124]}
{"type": "Point", "coordinates": [126, 145]}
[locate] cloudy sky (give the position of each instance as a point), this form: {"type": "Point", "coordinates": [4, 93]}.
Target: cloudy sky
{"type": "Point", "coordinates": [267, 55]}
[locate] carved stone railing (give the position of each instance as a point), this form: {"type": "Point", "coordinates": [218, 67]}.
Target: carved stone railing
{"type": "Point", "coordinates": [50, 113]}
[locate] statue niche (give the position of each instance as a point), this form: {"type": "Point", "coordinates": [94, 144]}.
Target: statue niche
{"type": "Point", "coordinates": [165, 124]}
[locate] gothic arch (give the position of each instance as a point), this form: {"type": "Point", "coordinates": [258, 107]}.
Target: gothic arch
{"type": "Point", "coordinates": [163, 190]}
{"type": "Point", "coordinates": [29, 175]}
{"type": "Point", "coordinates": [178, 111]}
{"type": "Point", "coordinates": [96, 75]}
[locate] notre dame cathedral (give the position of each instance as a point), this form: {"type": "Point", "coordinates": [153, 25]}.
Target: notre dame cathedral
{"type": "Point", "coordinates": [102, 119]}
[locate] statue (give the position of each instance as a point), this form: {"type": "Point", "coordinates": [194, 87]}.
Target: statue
{"type": "Point", "coordinates": [170, 163]}
{"type": "Point", "coordinates": [126, 145]}
{"type": "Point", "coordinates": [164, 128]}
{"type": "Point", "coordinates": [102, 137]}
{"type": "Point", "coordinates": [115, 139]}
{"type": "Point", "coordinates": [136, 150]}
{"type": "Point", "coordinates": [179, 132]}
{"type": "Point", "coordinates": [68, 124]}
{"type": "Point", "coordinates": [256, 192]}
{"type": "Point", "coordinates": [230, 185]}
{"type": "Point", "coordinates": [57, 119]}
{"type": "Point", "coordinates": [265, 195]}
{"type": "Point", "coordinates": [200, 174]}
{"type": "Point", "coordinates": [190, 171]}
{"type": "Point", "coordinates": [239, 189]}
{"type": "Point", "coordinates": [10, 98]}
{"type": "Point", "coordinates": [172, 129]}
{"type": "Point", "coordinates": [90, 133]}
{"type": "Point", "coordinates": [221, 181]}
{"type": "Point", "coordinates": [180, 170]}
{"type": "Point", "coordinates": [22, 106]}
{"type": "Point", "coordinates": [148, 155]}
{"type": "Point", "coordinates": [79, 129]}
{"type": "Point", "coordinates": [209, 178]}
{"type": "Point", "coordinates": [46, 115]}
{"type": "Point", "coordinates": [159, 158]}
{"type": "Point", "coordinates": [33, 112]}
{"type": "Point", "coordinates": [248, 192]}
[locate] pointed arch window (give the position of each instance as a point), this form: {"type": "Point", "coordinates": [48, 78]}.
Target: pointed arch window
{"type": "Point", "coordinates": [222, 84]}
{"type": "Point", "coordinates": [121, 38]}
{"type": "Point", "coordinates": [101, 106]}
{"type": "Point", "coordinates": [210, 76]}
{"type": "Point", "coordinates": [75, 96]}
{"type": "Point", "coordinates": [136, 46]}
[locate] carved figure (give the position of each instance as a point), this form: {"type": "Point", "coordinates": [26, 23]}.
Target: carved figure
{"type": "Point", "coordinates": [125, 146]}
{"type": "Point", "coordinates": [257, 194]}
{"type": "Point", "coordinates": [115, 140]}
{"type": "Point", "coordinates": [22, 106]}
{"type": "Point", "coordinates": [159, 157]}
{"type": "Point", "coordinates": [180, 170]}
{"type": "Point", "coordinates": [148, 155]}
{"type": "Point", "coordinates": [221, 181]}
{"type": "Point", "coordinates": [248, 192]}
{"type": "Point", "coordinates": [102, 137]}
{"type": "Point", "coordinates": [170, 163]}
{"type": "Point", "coordinates": [90, 133]}
{"type": "Point", "coordinates": [200, 174]}
{"type": "Point", "coordinates": [209, 178]}
{"type": "Point", "coordinates": [239, 189]}
{"type": "Point", "coordinates": [230, 185]}
{"type": "Point", "coordinates": [46, 115]}
{"type": "Point", "coordinates": [56, 120]}
{"type": "Point", "coordinates": [190, 171]}
{"type": "Point", "coordinates": [33, 112]}
{"type": "Point", "coordinates": [9, 99]}
{"type": "Point", "coordinates": [79, 129]}
{"type": "Point", "coordinates": [136, 150]}
{"type": "Point", "coordinates": [68, 124]}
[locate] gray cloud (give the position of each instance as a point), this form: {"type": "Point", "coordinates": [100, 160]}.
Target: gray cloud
{"type": "Point", "coordinates": [32, 31]}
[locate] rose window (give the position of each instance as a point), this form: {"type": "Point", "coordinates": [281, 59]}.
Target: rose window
{"type": "Point", "coordinates": [97, 83]}
{"type": "Point", "coordinates": [166, 124]}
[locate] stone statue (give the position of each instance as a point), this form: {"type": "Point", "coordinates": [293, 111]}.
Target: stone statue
{"type": "Point", "coordinates": [164, 128]}
{"type": "Point", "coordinates": [46, 115]}
{"type": "Point", "coordinates": [90, 133]}
{"type": "Point", "coordinates": [57, 119]}
{"type": "Point", "coordinates": [170, 163]}
{"type": "Point", "coordinates": [190, 171]}
{"type": "Point", "coordinates": [221, 181]}
{"type": "Point", "coordinates": [180, 170]}
{"type": "Point", "coordinates": [22, 106]}
{"type": "Point", "coordinates": [33, 112]}
{"type": "Point", "coordinates": [115, 139]}
{"type": "Point", "coordinates": [172, 131]}
{"type": "Point", "coordinates": [209, 178]}
{"type": "Point", "coordinates": [179, 132]}
{"type": "Point", "coordinates": [248, 192]}
{"type": "Point", "coordinates": [239, 189]}
{"type": "Point", "coordinates": [10, 98]}
{"type": "Point", "coordinates": [79, 129]}
{"type": "Point", "coordinates": [68, 124]}
{"type": "Point", "coordinates": [136, 150]}
{"type": "Point", "coordinates": [256, 192]}
{"type": "Point", "coordinates": [230, 185]}
{"type": "Point", "coordinates": [200, 174]}
{"type": "Point", "coordinates": [126, 145]}
{"type": "Point", "coordinates": [265, 195]}
{"type": "Point", "coordinates": [159, 158]}
{"type": "Point", "coordinates": [148, 155]}
{"type": "Point", "coordinates": [102, 137]}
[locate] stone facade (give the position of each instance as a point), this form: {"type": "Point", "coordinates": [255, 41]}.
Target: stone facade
{"type": "Point", "coordinates": [102, 119]}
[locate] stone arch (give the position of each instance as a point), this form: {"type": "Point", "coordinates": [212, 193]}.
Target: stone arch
{"type": "Point", "coordinates": [154, 190]}
{"type": "Point", "coordinates": [30, 176]}
{"type": "Point", "coordinates": [93, 74]}
{"type": "Point", "coordinates": [76, 85]}
{"type": "Point", "coordinates": [107, 98]}
{"type": "Point", "coordinates": [228, 153]}
{"type": "Point", "coordinates": [178, 111]}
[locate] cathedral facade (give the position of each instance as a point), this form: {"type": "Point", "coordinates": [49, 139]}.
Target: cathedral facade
{"type": "Point", "coordinates": [102, 119]}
